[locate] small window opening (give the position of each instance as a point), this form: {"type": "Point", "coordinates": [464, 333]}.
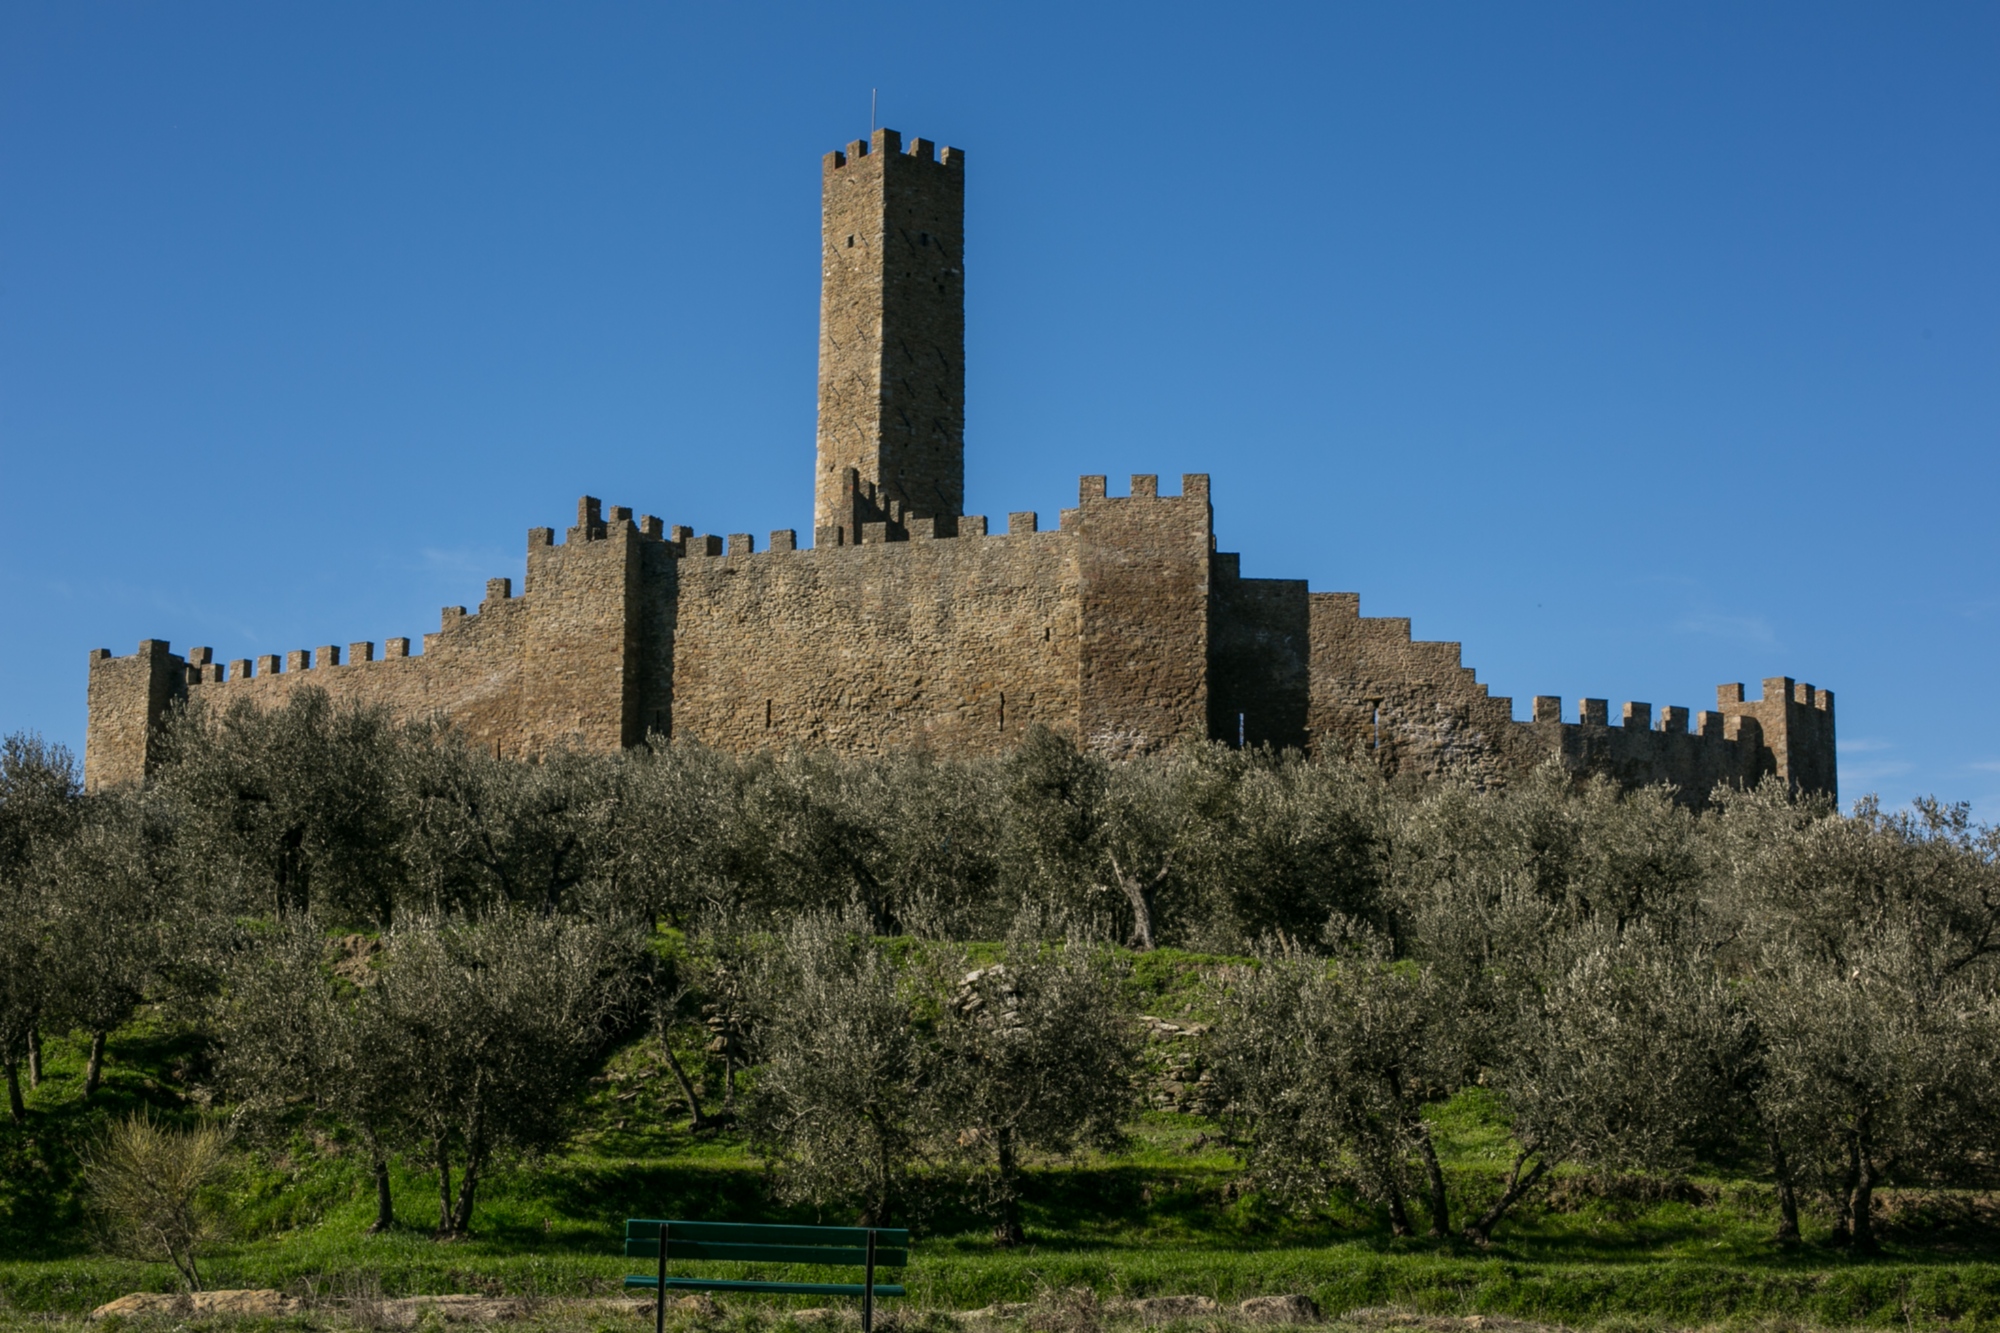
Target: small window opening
{"type": "Point", "coordinates": [1241, 728]}
{"type": "Point", "coordinates": [1003, 712]}
{"type": "Point", "coordinates": [767, 713]}
{"type": "Point", "coordinates": [1378, 728]}
{"type": "Point", "coordinates": [1045, 634]}
{"type": "Point", "coordinates": [850, 242]}
{"type": "Point", "coordinates": [923, 238]}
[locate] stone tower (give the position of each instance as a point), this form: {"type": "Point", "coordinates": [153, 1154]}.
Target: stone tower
{"type": "Point", "coordinates": [891, 338]}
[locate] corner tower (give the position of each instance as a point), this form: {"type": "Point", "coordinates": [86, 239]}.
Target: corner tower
{"type": "Point", "coordinates": [891, 337]}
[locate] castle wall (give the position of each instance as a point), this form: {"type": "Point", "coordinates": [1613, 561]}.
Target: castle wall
{"type": "Point", "coordinates": [953, 644]}
{"type": "Point", "coordinates": [1120, 628]}
{"type": "Point", "coordinates": [1260, 658]}
{"type": "Point", "coordinates": [1143, 574]}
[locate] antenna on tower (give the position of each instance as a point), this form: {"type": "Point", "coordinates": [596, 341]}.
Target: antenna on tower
{"type": "Point", "coordinates": [871, 115]}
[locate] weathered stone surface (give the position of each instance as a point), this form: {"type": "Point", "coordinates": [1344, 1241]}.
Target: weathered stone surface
{"type": "Point", "coordinates": [1164, 1309]}
{"type": "Point", "coordinates": [245, 1301]}
{"type": "Point", "coordinates": [1293, 1309]}
{"type": "Point", "coordinates": [906, 625]}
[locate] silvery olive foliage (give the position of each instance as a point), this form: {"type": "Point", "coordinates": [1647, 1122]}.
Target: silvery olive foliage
{"type": "Point", "coordinates": [1867, 950]}
{"type": "Point", "coordinates": [426, 950]}
{"type": "Point", "coordinates": [846, 1073]}
{"type": "Point", "coordinates": [456, 1040]}
{"type": "Point", "coordinates": [1327, 1065]}
{"type": "Point", "coordinates": [1038, 1052]}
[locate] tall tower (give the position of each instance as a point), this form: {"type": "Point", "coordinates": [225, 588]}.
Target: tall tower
{"type": "Point", "coordinates": [891, 337]}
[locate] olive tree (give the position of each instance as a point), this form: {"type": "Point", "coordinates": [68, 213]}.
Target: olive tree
{"type": "Point", "coordinates": [286, 809]}
{"type": "Point", "coordinates": [844, 1079]}
{"type": "Point", "coordinates": [296, 1036]}
{"type": "Point", "coordinates": [110, 895]}
{"type": "Point", "coordinates": [1037, 1053]}
{"type": "Point", "coordinates": [40, 806]}
{"type": "Point", "coordinates": [1326, 1067]}
{"type": "Point", "coordinates": [497, 1022]}
{"type": "Point", "coordinates": [1626, 1051]}
{"type": "Point", "coordinates": [1868, 949]}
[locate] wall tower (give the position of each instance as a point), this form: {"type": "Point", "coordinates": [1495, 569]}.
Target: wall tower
{"type": "Point", "coordinates": [891, 338]}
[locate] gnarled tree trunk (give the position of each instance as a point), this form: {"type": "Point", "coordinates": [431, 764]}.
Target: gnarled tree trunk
{"type": "Point", "coordinates": [1788, 1199]}
{"type": "Point", "coordinates": [1480, 1232]}
{"type": "Point", "coordinates": [1007, 1231]}
{"type": "Point", "coordinates": [93, 1072]}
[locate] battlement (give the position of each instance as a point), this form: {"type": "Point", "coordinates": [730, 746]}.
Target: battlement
{"type": "Point", "coordinates": [1144, 486]}
{"type": "Point", "coordinates": [884, 142]}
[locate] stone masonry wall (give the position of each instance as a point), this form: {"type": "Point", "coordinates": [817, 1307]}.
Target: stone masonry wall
{"type": "Point", "coordinates": [1143, 574]}
{"type": "Point", "coordinates": [950, 644]}
{"type": "Point", "coordinates": [1120, 628]}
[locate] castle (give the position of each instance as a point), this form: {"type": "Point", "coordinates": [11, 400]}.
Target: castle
{"type": "Point", "coordinates": [911, 624]}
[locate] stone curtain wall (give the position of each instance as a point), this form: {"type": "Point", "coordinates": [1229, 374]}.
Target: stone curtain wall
{"type": "Point", "coordinates": [1120, 628]}
{"type": "Point", "coordinates": [954, 644]}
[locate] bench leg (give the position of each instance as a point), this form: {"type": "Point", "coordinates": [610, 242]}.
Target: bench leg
{"type": "Point", "coordinates": [660, 1292]}
{"type": "Point", "coordinates": [868, 1288]}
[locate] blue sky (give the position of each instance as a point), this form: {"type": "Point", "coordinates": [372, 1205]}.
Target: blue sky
{"type": "Point", "coordinates": [1636, 347]}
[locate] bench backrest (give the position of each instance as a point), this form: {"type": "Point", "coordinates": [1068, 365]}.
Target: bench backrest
{"type": "Point", "coordinates": [753, 1242]}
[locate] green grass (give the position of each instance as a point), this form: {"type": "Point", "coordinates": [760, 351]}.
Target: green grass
{"type": "Point", "coordinates": [1170, 1214]}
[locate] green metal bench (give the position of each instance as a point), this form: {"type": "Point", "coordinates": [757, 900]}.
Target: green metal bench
{"type": "Point", "coordinates": [866, 1248]}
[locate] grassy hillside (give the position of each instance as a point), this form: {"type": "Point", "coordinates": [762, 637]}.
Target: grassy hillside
{"type": "Point", "coordinates": [1171, 1213]}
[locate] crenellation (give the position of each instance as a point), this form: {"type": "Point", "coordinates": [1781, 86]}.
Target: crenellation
{"type": "Point", "coordinates": [1123, 627]}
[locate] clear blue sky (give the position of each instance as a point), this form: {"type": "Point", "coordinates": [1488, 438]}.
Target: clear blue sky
{"type": "Point", "coordinates": [1636, 347]}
